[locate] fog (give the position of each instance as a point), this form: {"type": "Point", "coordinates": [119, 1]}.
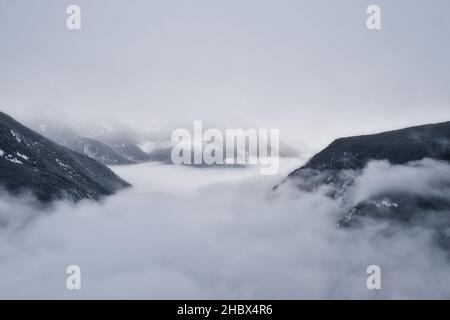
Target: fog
{"type": "Point", "coordinates": [309, 68]}
{"type": "Point", "coordinates": [185, 232]}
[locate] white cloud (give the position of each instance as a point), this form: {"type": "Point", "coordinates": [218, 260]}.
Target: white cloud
{"type": "Point", "coordinates": [221, 238]}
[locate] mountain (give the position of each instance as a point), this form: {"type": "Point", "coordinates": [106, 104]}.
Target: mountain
{"type": "Point", "coordinates": [122, 139]}
{"type": "Point", "coordinates": [416, 148]}
{"type": "Point", "coordinates": [398, 147]}
{"type": "Point", "coordinates": [112, 143]}
{"type": "Point", "coordinates": [158, 146]}
{"type": "Point", "coordinates": [128, 149]}
{"type": "Point", "coordinates": [31, 162]}
{"type": "Point", "coordinates": [99, 151]}
{"type": "Point", "coordinates": [353, 153]}
{"type": "Point", "coordinates": [88, 146]}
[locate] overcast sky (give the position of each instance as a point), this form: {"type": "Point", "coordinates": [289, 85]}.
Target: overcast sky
{"type": "Point", "coordinates": [310, 68]}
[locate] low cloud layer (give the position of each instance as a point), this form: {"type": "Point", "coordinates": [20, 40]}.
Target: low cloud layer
{"type": "Point", "coordinates": [221, 233]}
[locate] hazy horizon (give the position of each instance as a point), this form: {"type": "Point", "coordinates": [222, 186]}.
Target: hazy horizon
{"type": "Point", "coordinates": [309, 68]}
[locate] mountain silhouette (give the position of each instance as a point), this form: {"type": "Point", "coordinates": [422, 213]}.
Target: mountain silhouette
{"type": "Point", "coordinates": [31, 162]}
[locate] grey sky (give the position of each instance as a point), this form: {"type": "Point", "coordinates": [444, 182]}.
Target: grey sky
{"type": "Point", "coordinates": [310, 68]}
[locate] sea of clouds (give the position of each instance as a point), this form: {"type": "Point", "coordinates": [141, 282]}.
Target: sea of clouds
{"type": "Point", "coordinates": [184, 233]}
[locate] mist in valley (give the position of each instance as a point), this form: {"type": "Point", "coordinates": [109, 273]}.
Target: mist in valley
{"type": "Point", "coordinates": [185, 232]}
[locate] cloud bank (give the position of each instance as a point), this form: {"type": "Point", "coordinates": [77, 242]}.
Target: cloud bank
{"type": "Point", "coordinates": [221, 233]}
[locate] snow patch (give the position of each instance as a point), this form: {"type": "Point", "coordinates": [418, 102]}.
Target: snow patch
{"type": "Point", "coordinates": [9, 157]}
{"type": "Point", "coordinates": [16, 135]}
{"type": "Point", "coordinates": [14, 160]}
{"type": "Point", "coordinates": [62, 164]}
{"type": "Point", "coordinates": [22, 156]}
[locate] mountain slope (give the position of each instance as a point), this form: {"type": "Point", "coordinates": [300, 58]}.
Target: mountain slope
{"type": "Point", "coordinates": [398, 147]}
{"type": "Point", "coordinates": [99, 151]}
{"type": "Point", "coordinates": [128, 150]}
{"type": "Point", "coordinates": [28, 161]}
{"type": "Point", "coordinates": [423, 151]}
{"type": "Point", "coordinates": [88, 146]}
{"type": "Point", "coordinates": [123, 140]}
